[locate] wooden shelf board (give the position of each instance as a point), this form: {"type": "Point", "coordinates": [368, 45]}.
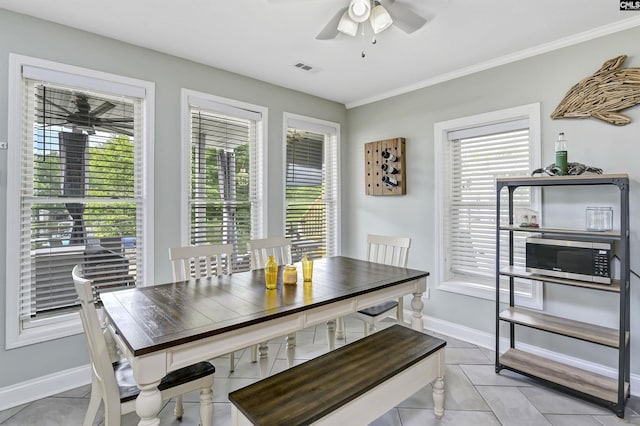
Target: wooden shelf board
{"type": "Point", "coordinates": [585, 179]}
{"type": "Point", "coordinates": [579, 380]}
{"type": "Point", "coordinates": [566, 327]}
{"type": "Point", "coordinates": [520, 272]}
{"type": "Point", "coordinates": [563, 231]}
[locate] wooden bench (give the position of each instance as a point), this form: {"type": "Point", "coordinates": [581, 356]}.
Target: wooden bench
{"type": "Point", "coordinates": [353, 385]}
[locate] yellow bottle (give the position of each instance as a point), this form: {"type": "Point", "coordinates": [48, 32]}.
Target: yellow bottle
{"type": "Point", "coordinates": [271, 273]}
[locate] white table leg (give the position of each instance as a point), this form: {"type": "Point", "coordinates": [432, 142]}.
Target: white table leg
{"type": "Point", "coordinates": [340, 328]}
{"type": "Point", "coordinates": [416, 306]}
{"type": "Point", "coordinates": [438, 397]}
{"type": "Point", "coordinates": [254, 353]}
{"type": "Point", "coordinates": [291, 348]}
{"type": "Point", "coordinates": [148, 404]}
{"type": "Point", "coordinates": [331, 334]}
{"type": "Point", "coordinates": [263, 359]}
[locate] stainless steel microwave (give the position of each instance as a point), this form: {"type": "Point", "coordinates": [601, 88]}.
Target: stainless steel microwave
{"type": "Point", "coordinates": [573, 258]}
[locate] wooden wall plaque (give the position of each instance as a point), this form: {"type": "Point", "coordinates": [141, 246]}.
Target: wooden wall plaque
{"type": "Point", "coordinates": [384, 166]}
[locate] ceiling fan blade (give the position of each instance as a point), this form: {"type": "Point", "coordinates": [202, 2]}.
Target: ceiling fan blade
{"type": "Point", "coordinates": [54, 116]}
{"type": "Point", "coordinates": [331, 29]}
{"type": "Point", "coordinates": [404, 18]}
{"type": "Point", "coordinates": [115, 120]}
{"type": "Point", "coordinates": [47, 100]}
{"type": "Point", "coordinates": [101, 109]}
{"type": "Point", "coordinates": [118, 130]}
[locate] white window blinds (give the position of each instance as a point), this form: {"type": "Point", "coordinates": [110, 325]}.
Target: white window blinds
{"type": "Point", "coordinates": [311, 189]}
{"type": "Point", "coordinates": [223, 194]}
{"type": "Point", "coordinates": [474, 159]}
{"type": "Point", "coordinates": [80, 193]}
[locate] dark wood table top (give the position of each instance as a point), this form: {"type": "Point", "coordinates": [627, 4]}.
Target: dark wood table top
{"type": "Point", "coordinates": [153, 318]}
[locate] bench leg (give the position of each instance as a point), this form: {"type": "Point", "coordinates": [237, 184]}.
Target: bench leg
{"type": "Point", "coordinates": [237, 418]}
{"type": "Point", "coordinates": [178, 412]}
{"type": "Point", "coordinates": [438, 397]}
{"type": "Point", "coordinates": [206, 406]}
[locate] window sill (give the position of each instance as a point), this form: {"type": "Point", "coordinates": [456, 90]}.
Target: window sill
{"type": "Point", "coordinates": [43, 331]}
{"type": "Point", "coordinates": [533, 300]}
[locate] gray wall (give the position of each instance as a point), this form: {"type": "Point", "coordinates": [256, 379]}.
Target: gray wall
{"type": "Point", "coordinates": [26, 36]}
{"type": "Point", "coordinates": [544, 79]}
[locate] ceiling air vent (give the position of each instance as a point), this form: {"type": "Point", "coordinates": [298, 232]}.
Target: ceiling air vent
{"type": "Point", "coordinates": [303, 66]}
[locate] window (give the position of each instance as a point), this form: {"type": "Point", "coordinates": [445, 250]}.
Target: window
{"type": "Point", "coordinates": [471, 153]}
{"type": "Point", "coordinates": [311, 176]}
{"type": "Point", "coordinates": [77, 191]}
{"type": "Point", "coordinates": [224, 188]}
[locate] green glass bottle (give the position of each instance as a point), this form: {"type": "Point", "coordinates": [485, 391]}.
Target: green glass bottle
{"type": "Point", "coordinates": [561, 154]}
{"type": "Point", "coordinates": [271, 273]}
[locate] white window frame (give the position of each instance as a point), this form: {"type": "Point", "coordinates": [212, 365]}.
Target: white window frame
{"type": "Point", "coordinates": [441, 131]}
{"type": "Point", "coordinates": [68, 324]}
{"type": "Point", "coordinates": [332, 129]}
{"type": "Point", "coordinates": [231, 107]}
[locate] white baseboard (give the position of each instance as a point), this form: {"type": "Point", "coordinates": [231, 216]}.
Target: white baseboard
{"type": "Point", "coordinates": [487, 340]}
{"type": "Point", "coordinates": [42, 387]}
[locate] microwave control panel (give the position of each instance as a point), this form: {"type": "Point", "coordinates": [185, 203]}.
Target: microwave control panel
{"type": "Point", "coordinates": [601, 262]}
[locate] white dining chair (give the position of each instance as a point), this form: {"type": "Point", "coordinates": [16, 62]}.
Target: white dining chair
{"type": "Point", "coordinates": [202, 262]}
{"type": "Point", "coordinates": [259, 251]}
{"type": "Point", "coordinates": [389, 251]}
{"type": "Point", "coordinates": [113, 383]}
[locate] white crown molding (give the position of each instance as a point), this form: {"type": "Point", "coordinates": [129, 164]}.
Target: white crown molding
{"type": "Point", "coordinates": [523, 54]}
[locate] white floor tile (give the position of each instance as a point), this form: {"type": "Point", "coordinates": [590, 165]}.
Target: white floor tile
{"type": "Point", "coordinates": [486, 375]}
{"type": "Point", "coordinates": [548, 401]}
{"type": "Point", "coordinates": [511, 407]}
{"type": "Point", "coordinates": [572, 420]}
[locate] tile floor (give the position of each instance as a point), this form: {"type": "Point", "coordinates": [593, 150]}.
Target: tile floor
{"type": "Point", "coordinates": [474, 394]}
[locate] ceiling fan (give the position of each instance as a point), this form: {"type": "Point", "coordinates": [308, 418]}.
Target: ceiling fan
{"type": "Point", "coordinates": [84, 113]}
{"type": "Point", "coordinates": [348, 19]}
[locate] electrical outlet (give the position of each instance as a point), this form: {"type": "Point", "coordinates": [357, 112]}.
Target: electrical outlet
{"type": "Point", "coordinates": [4, 145]}
{"type": "Point", "coordinates": [427, 294]}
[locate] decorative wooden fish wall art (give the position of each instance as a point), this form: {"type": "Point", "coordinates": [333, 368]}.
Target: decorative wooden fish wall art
{"type": "Point", "coordinates": [603, 94]}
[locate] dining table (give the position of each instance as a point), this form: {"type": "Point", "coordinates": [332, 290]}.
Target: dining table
{"type": "Point", "coordinates": [164, 327]}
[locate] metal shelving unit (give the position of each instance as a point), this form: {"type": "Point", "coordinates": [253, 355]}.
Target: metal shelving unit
{"type": "Point", "coordinates": [610, 392]}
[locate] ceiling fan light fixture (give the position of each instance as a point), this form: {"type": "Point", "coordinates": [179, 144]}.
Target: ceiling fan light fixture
{"type": "Point", "coordinates": [347, 25]}
{"type": "Point", "coordinates": [359, 10]}
{"type": "Point", "coordinates": [380, 18]}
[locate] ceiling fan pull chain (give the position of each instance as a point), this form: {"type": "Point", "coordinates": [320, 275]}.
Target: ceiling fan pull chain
{"type": "Point", "coordinates": [363, 52]}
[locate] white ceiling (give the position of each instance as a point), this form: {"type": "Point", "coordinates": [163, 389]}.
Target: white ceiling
{"type": "Point", "coordinates": [264, 39]}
